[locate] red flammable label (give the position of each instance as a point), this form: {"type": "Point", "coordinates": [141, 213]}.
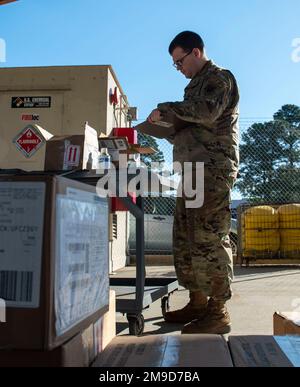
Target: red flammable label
{"type": "Point", "coordinates": [28, 141]}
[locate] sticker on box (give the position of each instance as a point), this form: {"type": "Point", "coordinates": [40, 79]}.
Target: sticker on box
{"type": "Point", "coordinates": [72, 156]}
{"type": "Point", "coordinates": [21, 226]}
{"type": "Point", "coordinates": [82, 279]}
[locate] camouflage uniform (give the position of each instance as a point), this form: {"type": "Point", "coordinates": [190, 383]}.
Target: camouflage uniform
{"type": "Point", "coordinates": [202, 252]}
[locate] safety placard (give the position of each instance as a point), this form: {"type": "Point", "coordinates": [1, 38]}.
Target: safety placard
{"type": "Point", "coordinates": [28, 141]}
{"type": "Point", "coordinates": [30, 102]}
{"type": "Point", "coordinates": [72, 156]}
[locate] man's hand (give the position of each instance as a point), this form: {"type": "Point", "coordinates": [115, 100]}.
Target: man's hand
{"type": "Point", "coordinates": [154, 116]}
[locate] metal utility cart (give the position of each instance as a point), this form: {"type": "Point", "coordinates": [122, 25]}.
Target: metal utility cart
{"type": "Point", "coordinates": [133, 295]}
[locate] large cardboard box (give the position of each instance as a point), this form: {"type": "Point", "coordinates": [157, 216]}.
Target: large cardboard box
{"type": "Point", "coordinates": [73, 151]}
{"type": "Point", "coordinates": [286, 323]}
{"type": "Point", "coordinates": [80, 351]}
{"type": "Point", "coordinates": [105, 328]}
{"type": "Point", "coordinates": [166, 351]}
{"type": "Point", "coordinates": [265, 351]}
{"type": "Point", "coordinates": [53, 260]}
{"type": "Point", "coordinates": [74, 353]}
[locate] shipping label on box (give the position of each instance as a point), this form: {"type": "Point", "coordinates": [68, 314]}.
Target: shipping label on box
{"type": "Point", "coordinates": [21, 226]}
{"type": "Point", "coordinates": [82, 272]}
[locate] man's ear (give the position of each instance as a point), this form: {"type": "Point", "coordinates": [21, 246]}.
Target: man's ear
{"type": "Point", "coordinates": [197, 53]}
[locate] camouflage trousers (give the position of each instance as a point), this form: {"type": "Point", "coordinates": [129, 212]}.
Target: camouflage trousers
{"type": "Point", "coordinates": [201, 244]}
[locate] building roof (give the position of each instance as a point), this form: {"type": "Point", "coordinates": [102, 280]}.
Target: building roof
{"type": "Point", "coordinates": [2, 2]}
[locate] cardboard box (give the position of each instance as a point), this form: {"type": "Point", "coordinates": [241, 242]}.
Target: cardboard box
{"type": "Point", "coordinates": [265, 351]}
{"type": "Point", "coordinates": [168, 127]}
{"type": "Point", "coordinates": [74, 353]}
{"type": "Point", "coordinates": [101, 333]}
{"type": "Point", "coordinates": [80, 351]}
{"type": "Point", "coordinates": [287, 323]}
{"type": "Point", "coordinates": [105, 327]}
{"type": "Point", "coordinates": [54, 260]}
{"type": "Point", "coordinates": [166, 351]}
{"type": "Point", "coordinates": [73, 151]}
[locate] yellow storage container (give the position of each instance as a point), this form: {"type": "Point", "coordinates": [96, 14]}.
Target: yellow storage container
{"type": "Point", "coordinates": [263, 217]}
{"type": "Point", "coordinates": [267, 240]}
{"type": "Point", "coordinates": [290, 240]}
{"type": "Point", "coordinates": [289, 216]}
{"type": "Point", "coordinates": [261, 237]}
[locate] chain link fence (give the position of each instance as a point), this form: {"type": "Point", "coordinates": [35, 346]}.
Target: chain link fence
{"type": "Point", "coordinates": [159, 210]}
{"type": "Point", "coordinates": [269, 186]}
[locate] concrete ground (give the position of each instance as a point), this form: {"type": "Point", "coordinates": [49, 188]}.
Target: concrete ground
{"type": "Point", "coordinates": [258, 293]}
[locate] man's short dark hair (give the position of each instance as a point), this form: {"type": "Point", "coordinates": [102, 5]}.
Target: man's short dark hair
{"type": "Point", "coordinates": [187, 40]}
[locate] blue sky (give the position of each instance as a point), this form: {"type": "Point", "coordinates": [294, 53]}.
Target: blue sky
{"type": "Point", "coordinates": [253, 38]}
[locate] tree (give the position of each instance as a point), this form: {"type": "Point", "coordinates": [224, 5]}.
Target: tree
{"type": "Point", "coordinates": [289, 117]}
{"type": "Point", "coordinates": [270, 159]}
{"type": "Point", "coordinates": [148, 141]}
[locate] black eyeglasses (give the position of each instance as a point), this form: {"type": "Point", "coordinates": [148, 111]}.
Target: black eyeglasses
{"type": "Point", "coordinates": [178, 64]}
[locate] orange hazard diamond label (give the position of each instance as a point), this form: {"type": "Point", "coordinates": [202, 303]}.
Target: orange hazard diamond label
{"type": "Point", "coordinates": [28, 141]}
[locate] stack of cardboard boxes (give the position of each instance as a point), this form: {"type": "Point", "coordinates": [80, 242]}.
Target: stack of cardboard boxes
{"type": "Point", "coordinates": [280, 350]}
{"type": "Point", "coordinates": [54, 272]}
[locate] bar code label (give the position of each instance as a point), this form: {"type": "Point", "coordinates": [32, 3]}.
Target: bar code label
{"type": "Point", "coordinates": [22, 206]}
{"type": "Point", "coordinates": [16, 286]}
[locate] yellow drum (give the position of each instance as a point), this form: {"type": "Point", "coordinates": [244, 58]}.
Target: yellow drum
{"type": "Point", "coordinates": [261, 237]}
{"type": "Point", "coordinates": [267, 240]}
{"type": "Point", "coordinates": [290, 243]}
{"type": "Point", "coordinates": [289, 216]}
{"type": "Point", "coordinates": [263, 217]}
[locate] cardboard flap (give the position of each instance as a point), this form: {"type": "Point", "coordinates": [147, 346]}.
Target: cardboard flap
{"type": "Point", "coordinates": [47, 135]}
{"type": "Point", "coordinates": [91, 136]}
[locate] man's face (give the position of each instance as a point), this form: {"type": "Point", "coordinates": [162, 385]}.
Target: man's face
{"type": "Point", "coordinates": [187, 62]}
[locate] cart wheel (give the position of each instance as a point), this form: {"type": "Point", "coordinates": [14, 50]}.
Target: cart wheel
{"type": "Point", "coordinates": [136, 324]}
{"type": "Point", "coordinates": [165, 305]}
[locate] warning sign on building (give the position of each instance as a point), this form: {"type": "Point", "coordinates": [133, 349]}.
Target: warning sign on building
{"type": "Point", "coordinates": [28, 141]}
{"type": "Point", "coordinates": [30, 102]}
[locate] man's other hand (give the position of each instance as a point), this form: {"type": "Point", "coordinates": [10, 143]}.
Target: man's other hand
{"type": "Point", "coordinates": [154, 116]}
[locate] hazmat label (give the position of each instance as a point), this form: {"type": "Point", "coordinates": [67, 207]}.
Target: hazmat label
{"type": "Point", "coordinates": [72, 156]}
{"type": "Point", "coordinates": [28, 141]}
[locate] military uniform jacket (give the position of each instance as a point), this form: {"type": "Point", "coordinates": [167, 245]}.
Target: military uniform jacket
{"type": "Point", "coordinates": [211, 106]}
